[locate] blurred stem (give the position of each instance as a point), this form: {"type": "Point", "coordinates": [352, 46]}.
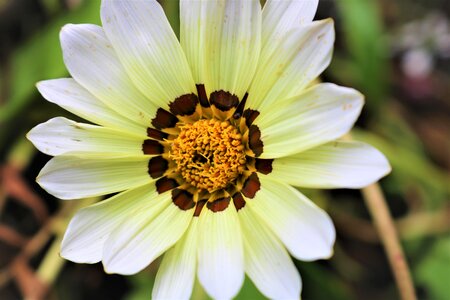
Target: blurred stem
{"type": "Point", "coordinates": [21, 153]}
{"type": "Point", "coordinates": [384, 224]}
{"type": "Point", "coordinates": [52, 263]}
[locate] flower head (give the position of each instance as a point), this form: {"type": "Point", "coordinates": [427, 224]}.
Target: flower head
{"type": "Point", "coordinates": [202, 139]}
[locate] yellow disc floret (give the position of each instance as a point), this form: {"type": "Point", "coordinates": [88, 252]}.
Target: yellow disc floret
{"type": "Point", "coordinates": [209, 154]}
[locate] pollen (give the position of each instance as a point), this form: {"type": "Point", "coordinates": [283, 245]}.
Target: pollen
{"type": "Point", "coordinates": [209, 154]}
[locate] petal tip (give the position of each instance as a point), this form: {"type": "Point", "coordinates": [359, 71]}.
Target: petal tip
{"type": "Point", "coordinates": [384, 169]}
{"type": "Point", "coordinates": [39, 84]}
{"type": "Point", "coordinates": [66, 29]}
{"type": "Point", "coordinates": [34, 133]}
{"type": "Point", "coordinates": [327, 21]}
{"type": "Point", "coordinates": [64, 252]}
{"type": "Point", "coordinates": [46, 186]}
{"type": "Point", "coordinates": [388, 169]}
{"type": "Point", "coordinates": [68, 253]}
{"type": "Point", "coordinates": [107, 269]}
{"type": "Point", "coordinates": [329, 255]}
{"type": "Point", "coordinates": [29, 135]}
{"type": "Point", "coordinates": [110, 267]}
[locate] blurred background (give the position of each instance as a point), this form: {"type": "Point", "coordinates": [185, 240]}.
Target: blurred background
{"type": "Point", "coordinates": [396, 52]}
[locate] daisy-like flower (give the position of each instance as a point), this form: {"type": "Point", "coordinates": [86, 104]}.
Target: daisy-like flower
{"type": "Point", "coordinates": [203, 140]}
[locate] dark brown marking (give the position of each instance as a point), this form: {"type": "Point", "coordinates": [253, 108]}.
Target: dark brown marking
{"type": "Point", "coordinates": [203, 98]}
{"type": "Point", "coordinates": [251, 186]}
{"type": "Point", "coordinates": [164, 119]}
{"type": "Point", "coordinates": [183, 199]}
{"type": "Point", "coordinates": [157, 166]}
{"type": "Point", "coordinates": [250, 116]}
{"type": "Point", "coordinates": [199, 207]}
{"type": "Point", "coordinates": [254, 140]}
{"type": "Point", "coordinates": [240, 109]}
{"type": "Point", "coordinates": [184, 105]}
{"type": "Point", "coordinates": [238, 201]}
{"type": "Point", "coordinates": [156, 134]}
{"type": "Point", "coordinates": [152, 147]}
{"type": "Point", "coordinates": [264, 165]}
{"type": "Point", "coordinates": [219, 204]}
{"type": "Point", "coordinates": [165, 184]}
{"type": "Point", "coordinates": [224, 101]}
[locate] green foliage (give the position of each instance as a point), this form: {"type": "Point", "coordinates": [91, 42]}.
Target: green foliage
{"type": "Point", "coordinates": [142, 285]}
{"type": "Point", "coordinates": [40, 58]}
{"type": "Point", "coordinates": [172, 10]}
{"type": "Point", "coordinates": [249, 291]}
{"type": "Point", "coordinates": [363, 64]}
{"type": "Point", "coordinates": [361, 22]}
{"type": "Point", "coordinates": [410, 168]}
{"type": "Point", "coordinates": [433, 271]}
{"type": "Point", "coordinates": [320, 283]}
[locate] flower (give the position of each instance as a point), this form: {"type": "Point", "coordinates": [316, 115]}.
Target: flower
{"type": "Point", "coordinates": [202, 139]}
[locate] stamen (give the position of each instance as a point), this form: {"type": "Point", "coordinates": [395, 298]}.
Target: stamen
{"type": "Point", "coordinates": [209, 154]}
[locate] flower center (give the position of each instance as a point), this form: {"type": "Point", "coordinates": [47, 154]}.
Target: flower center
{"type": "Point", "coordinates": [209, 154]}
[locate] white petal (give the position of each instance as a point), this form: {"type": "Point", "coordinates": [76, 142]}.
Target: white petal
{"type": "Point", "coordinates": [280, 16]}
{"type": "Point", "coordinates": [267, 262]}
{"type": "Point", "coordinates": [92, 62]}
{"type": "Point", "coordinates": [337, 164]}
{"type": "Point", "coordinates": [71, 96]}
{"type": "Point", "coordinates": [60, 136]}
{"type": "Point", "coordinates": [321, 114]}
{"type": "Point", "coordinates": [91, 226]}
{"type": "Point", "coordinates": [69, 177]}
{"type": "Point", "coordinates": [221, 40]}
{"type": "Point", "coordinates": [176, 274]}
{"type": "Point", "coordinates": [192, 36]}
{"type": "Point", "coordinates": [220, 253]}
{"type": "Point", "coordinates": [283, 72]}
{"type": "Point", "coordinates": [305, 229]}
{"type": "Point", "coordinates": [148, 48]}
{"type": "Point", "coordinates": [139, 240]}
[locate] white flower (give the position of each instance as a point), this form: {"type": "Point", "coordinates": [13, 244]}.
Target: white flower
{"type": "Point", "coordinates": [202, 140]}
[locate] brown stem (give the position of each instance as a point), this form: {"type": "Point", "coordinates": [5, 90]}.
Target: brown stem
{"type": "Point", "coordinates": [384, 224]}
